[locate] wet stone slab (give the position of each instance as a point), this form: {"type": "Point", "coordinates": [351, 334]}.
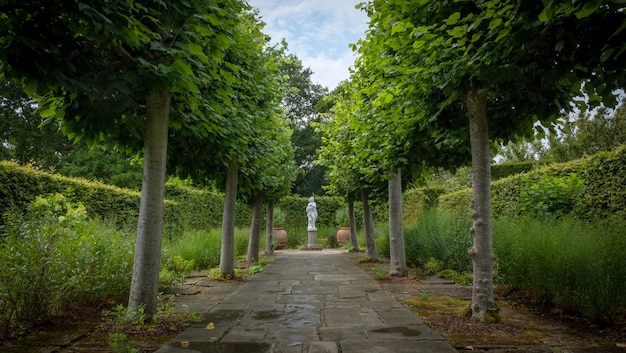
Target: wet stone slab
{"type": "Point", "coordinates": [350, 317]}
{"type": "Point", "coordinates": [207, 347]}
{"type": "Point", "coordinates": [396, 347]}
{"type": "Point", "coordinates": [408, 332]}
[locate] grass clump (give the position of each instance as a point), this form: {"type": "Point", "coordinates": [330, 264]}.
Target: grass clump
{"type": "Point", "coordinates": [55, 261]}
{"type": "Point", "coordinates": [574, 265]}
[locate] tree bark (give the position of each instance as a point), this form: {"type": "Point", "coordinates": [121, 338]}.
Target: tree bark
{"type": "Point", "coordinates": [147, 257]}
{"type": "Point", "coordinates": [352, 223]}
{"type": "Point", "coordinates": [368, 223]}
{"type": "Point", "coordinates": [397, 263]}
{"type": "Point", "coordinates": [269, 228]}
{"type": "Point", "coordinates": [255, 228]}
{"type": "Point", "coordinates": [481, 251]}
{"type": "Point", "coordinates": [227, 254]}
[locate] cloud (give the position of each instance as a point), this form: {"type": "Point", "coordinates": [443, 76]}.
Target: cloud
{"type": "Point", "coordinates": [318, 32]}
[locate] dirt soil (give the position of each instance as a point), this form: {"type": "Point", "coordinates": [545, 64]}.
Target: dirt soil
{"type": "Point", "coordinates": [525, 326]}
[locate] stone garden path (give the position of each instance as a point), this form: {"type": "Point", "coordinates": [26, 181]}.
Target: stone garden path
{"type": "Point", "coordinates": [309, 302]}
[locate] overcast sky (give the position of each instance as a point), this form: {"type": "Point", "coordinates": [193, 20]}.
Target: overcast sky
{"type": "Point", "coordinates": [318, 32]}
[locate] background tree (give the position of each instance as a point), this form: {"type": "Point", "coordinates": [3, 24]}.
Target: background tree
{"type": "Point", "coordinates": [590, 133]}
{"type": "Point", "coordinates": [302, 104]}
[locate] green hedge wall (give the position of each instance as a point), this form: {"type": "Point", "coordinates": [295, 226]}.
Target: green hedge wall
{"type": "Point", "coordinates": [603, 194]}
{"type": "Point", "coordinates": [185, 207]}
{"type": "Point", "coordinates": [499, 171]}
{"type": "Point", "coordinates": [416, 201]}
{"type": "Point", "coordinates": [295, 210]}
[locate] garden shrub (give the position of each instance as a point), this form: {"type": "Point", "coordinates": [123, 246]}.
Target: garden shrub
{"type": "Point", "coordinates": [54, 261]}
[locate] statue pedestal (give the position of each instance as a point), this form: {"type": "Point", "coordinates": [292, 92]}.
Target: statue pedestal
{"type": "Point", "coordinates": [312, 244]}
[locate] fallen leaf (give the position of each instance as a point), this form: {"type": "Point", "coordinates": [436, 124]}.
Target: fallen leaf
{"type": "Point", "coordinates": [210, 326]}
{"type": "Point", "coordinates": [184, 343]}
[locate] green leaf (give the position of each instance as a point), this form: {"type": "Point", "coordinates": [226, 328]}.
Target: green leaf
{"type": "Point", "coordinates": [548, 12]}
{"type": "Point", "coordinates": [453, 19]}
{"type": "Point", "coordinates": [196, 49]}
{"type": "Point", "coordinates": [495, 23]}
{"type": "Point", "coordinates": [588, 9]}
{"type": "Point", "coordinates": [559, 46]}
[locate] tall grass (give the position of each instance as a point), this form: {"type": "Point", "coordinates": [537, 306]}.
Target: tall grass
{"type": "Point", "coordinates": [53, 261]}
{"type": "Point", "coordinates": [203, 247]}
{"type": "Point", "coordinates": [439, 236]}
{"type": "Point", "coordinates": [572, 264]}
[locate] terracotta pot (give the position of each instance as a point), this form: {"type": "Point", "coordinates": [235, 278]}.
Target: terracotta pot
{"type": "Point", "coordinates": [343, 235]}
{"type": "Point", "coordinates": [280, 237]}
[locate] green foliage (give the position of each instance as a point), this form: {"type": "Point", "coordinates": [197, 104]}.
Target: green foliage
{"type": "Point", "coordinates": [588, 134]}
{"type": "Point", "coordinates": [341, 216]}
{"type": "Point", "coordinates": [331, 241]}
{"type": "Point", "coordinates": [499, 171]}
{"type": "Point", "coordinates": [295, 210]}
{"type": "Point", "coordinates": [253, 270]}
{"type": "Point", "coordinates": [381, 272]}
{"type": "Point", "coordinates": [199, 250]}
{"type": "Point", "coordinates": [20, 185]}
{"type": "Point", "coordinates": [572, 264]}
{"type": "Point", "coordinates": [55, 261]}
{"type": "Point", "coordinates": [464, 279]}
{"type": "Point", "coordinates": [549, 198]}
{"type": "Point", "coordinates": [439, 240]}
{"type": "Point", "coordinates": [382, 245]}
{"type": "Point", "coordinates": [418, 200]}
{"type": "Point", "coordinates": [120, 343]}
{"type": "Point", "coordinates": [589, 188]}
{"type": "Point", "coordinates": [279, 217]}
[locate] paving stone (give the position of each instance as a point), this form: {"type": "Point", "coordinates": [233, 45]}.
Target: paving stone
{"type": "Point", "coordinates": [315, 289]}
{"type": "Point", "coordinates": [398, 316]}
{"type": "Point", "coordinates": [348, 317]}
{"type": "Point", "coordinates": [406, 332]}
{"type": "Point", "coordinates": [322, 347]}
{"type": "Point", "coordinates": [396, 347]}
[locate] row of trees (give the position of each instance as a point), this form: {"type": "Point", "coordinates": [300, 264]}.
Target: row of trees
{"type": "Point", "coordinates": [439, 83]}
{"type": "Point", "coordinates": [190, 87]}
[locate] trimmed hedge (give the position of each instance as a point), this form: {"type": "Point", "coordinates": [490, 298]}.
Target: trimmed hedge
{"type": "Point", "coordinates": [499, 171]}
{"type": "Point", "coordinates": [185, 207]}
{"type": "Point", "coordinates": [603, 193]}
{"type": "Point", "coordinates": [295, 210]}
{"type": "Point", "coordinates": [416, 201]}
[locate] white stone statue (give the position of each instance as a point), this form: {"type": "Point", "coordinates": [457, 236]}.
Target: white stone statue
{"type": "Point", "coordinates": [311, 212]}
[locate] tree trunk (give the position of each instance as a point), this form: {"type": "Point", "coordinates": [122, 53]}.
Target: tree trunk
{"type": "Point", "coordinates": [269, 228]}
{"type": "Point", "coordinates": [368, 223]}
{"type": "Point", "coordinates": [255, 228]}
{"type": "Point", "coordinates": [227, 255]}
{"type": "Point", "coordinates": [397, 263]}
{"type": "Point", "coordinates": [481, 251]}
{"type": "Point", "coordinates": [352, 222]}
{"type": "Point", "coordinates": [147, 258]}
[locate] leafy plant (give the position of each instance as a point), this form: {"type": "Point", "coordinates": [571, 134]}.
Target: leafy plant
{"type": "Point", "coordinates": [279, 217]}
{"type": "Point", "coordinates": [550, 197]}
{"type": "Point", "coordinates": [381, 272]}
{"type": "Point", "coordinates": [121, 343]}
{"type": "Point", "coordinates": [341, 216]}
{"type": "Point", "coordinates": [255, 269]}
